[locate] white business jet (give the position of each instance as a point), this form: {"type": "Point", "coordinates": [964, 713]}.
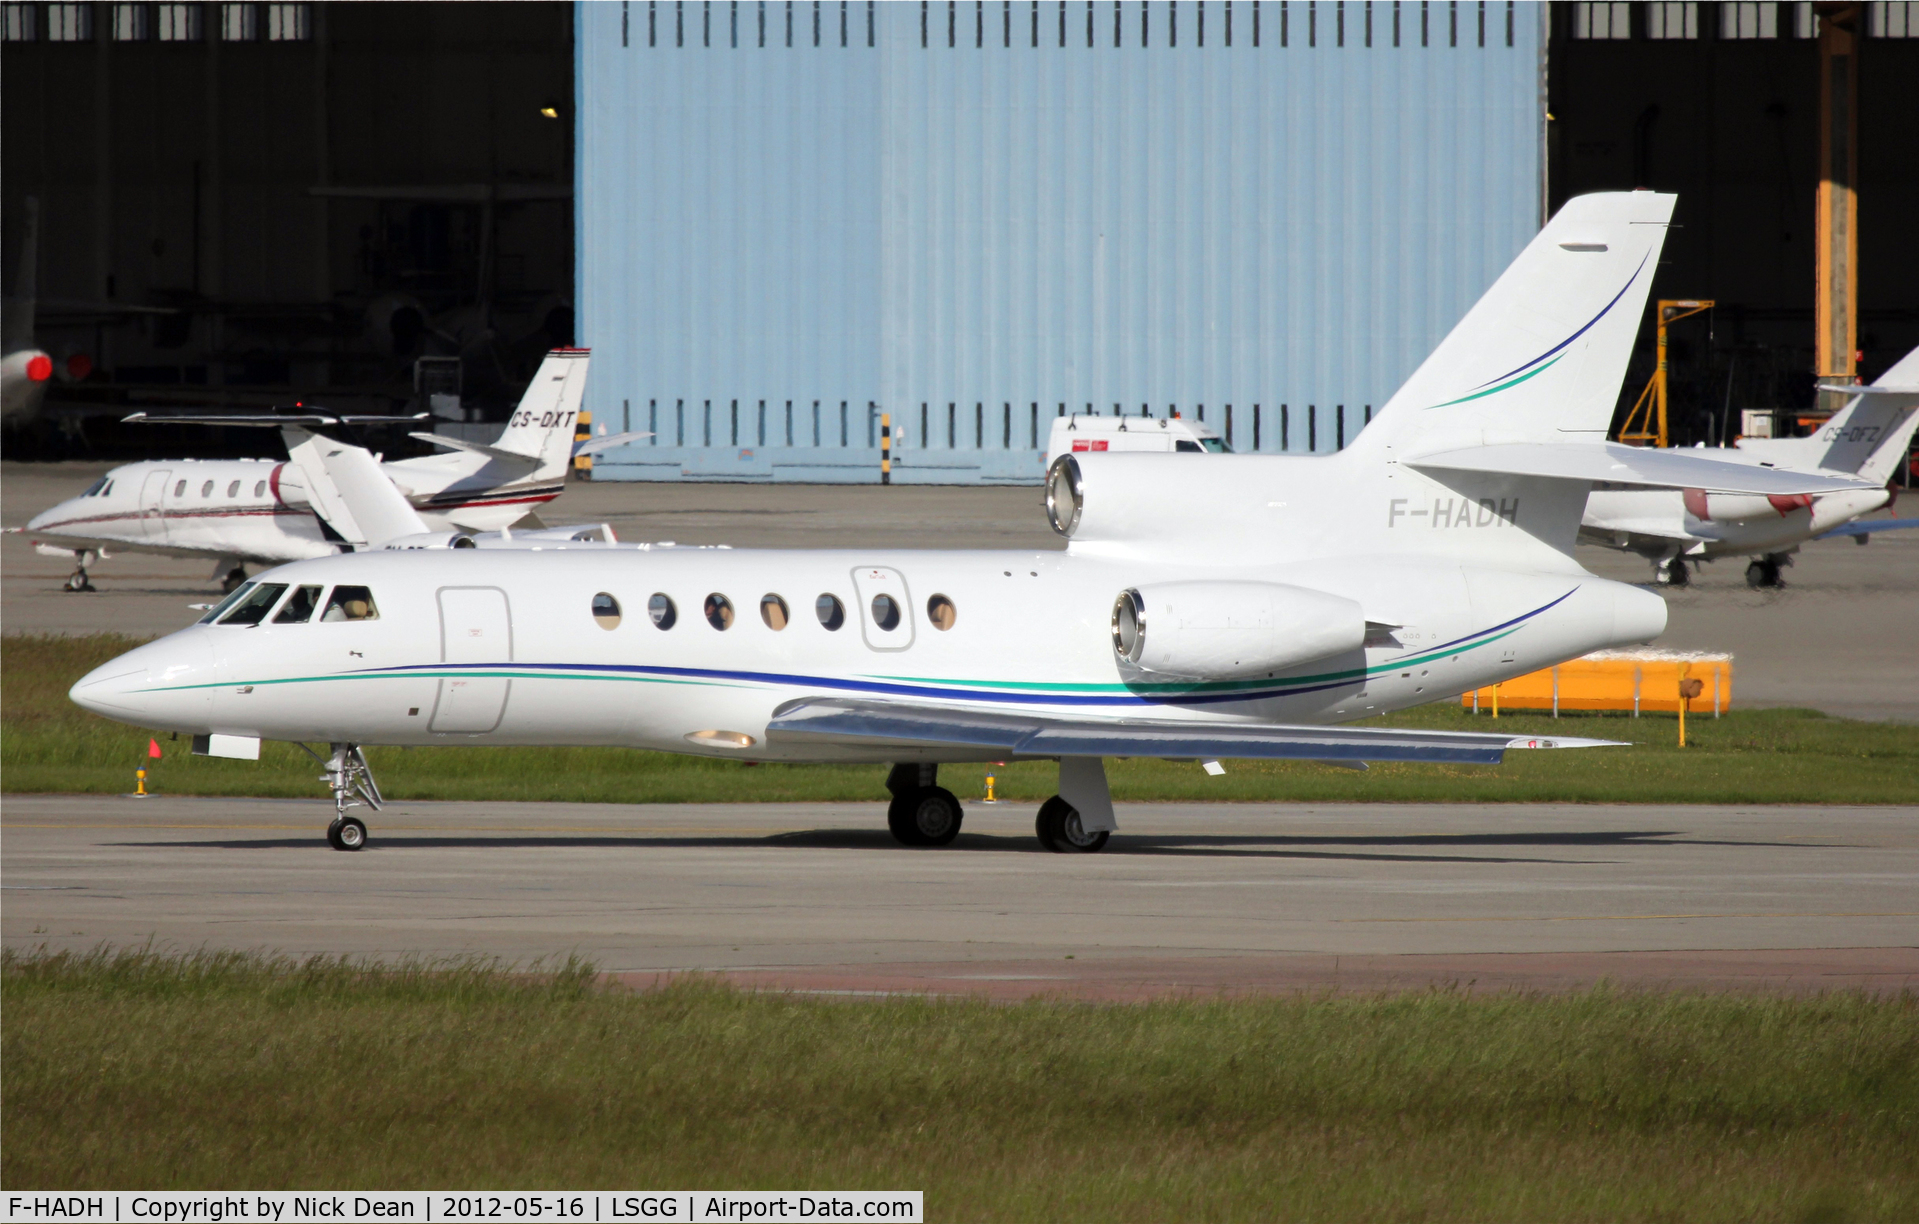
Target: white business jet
{"type": "Point", "coordinates": [1237, 607]}
{"type": "Point", "coordinates": [1867, 439]}
{"type": "Point", "coordinates": [235, 511]}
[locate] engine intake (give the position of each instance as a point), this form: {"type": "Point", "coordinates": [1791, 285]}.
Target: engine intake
{"type": "Point", "coordinates": [1230, 630]}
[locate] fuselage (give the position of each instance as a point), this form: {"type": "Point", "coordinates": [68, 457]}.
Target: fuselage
{"type": "Point", "coordinates": [257, 510]}
{"type": "Point", "coordinates": [1668, 521]}
{"type": "Point", "coordinates": [503, 648]}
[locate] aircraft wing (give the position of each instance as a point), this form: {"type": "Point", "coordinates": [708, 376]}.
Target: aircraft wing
{"type": "Point", "coordinates": [888, 724]}
{"type": "Point", "coordinates": [1612, 463]}
{"type": "Point", "coordinates": [479, 448]}
{"type": "Point", "coordinates": [267, 420]}
{"type": "Point", "coordinates": [1866, 527]}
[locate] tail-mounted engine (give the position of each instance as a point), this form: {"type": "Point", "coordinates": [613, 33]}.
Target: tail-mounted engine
{"type": "Point", "coordinates": [1229, 630]}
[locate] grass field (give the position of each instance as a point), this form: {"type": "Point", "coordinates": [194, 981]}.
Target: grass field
{"type": "Point", "coordinates": [222, 1070]}
{"type": "Point", "coordinates": [48, 744]}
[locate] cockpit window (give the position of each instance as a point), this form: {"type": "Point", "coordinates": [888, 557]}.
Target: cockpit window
{"type": "Point", "coordinates": [96, 488]}
{"type": "Point", "coordinates": [298, 609]}
{"type": "Point", "coordinates": [1216, 446]}
{"type": "Point", "coordinates": [220, 608]}
{"type": "Point", "coordinates": [350, 603]}
{"type": "Point", "coordinates": [254, 608]}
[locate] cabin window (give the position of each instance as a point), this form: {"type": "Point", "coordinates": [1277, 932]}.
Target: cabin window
{"type": "Point", "coordinates": [719, 611]}
{"type": "Point", "coordinates": [661, 610]}
{"type": "Point", "coordinates": [259, 488]}
{"type": "Point", "coordinates": [773, 611]}
{"type": "Point", "coordinates": [298, 609]}
{"type": "Point", "coordinates": [206, 490]}
{"type": "Point", "coordinates": [180, 488]}
{"type": "Point", "coordinates": [220, 608]}
{"type": "Point", "coordinates": [942, 613]}
{"type": "Point", "coordinates": [886, 613]}
{"type": "Point", "coordinates": [233, 489]}
{"type": "Point", "coordinates": [254, 608]}
{"type": "Point", "coordinates": [830, 610]}
{"type": "Point", "coordinates": [606, 611]}
{"type": "Point", "coordinates": [97, 488]}
{"type": "Point", "coordinates": [350, 603]}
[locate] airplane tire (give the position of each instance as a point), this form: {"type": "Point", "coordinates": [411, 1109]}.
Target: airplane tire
{"type": "Point", "coordinates": [1762, 574]}
{"type": "Point", "coordinates": [79, 582]}
{"type": "Point", "coordinates": [346, 833]}
{"type": "Point", "coordinates": [928, 816]}
{"type": "Point", "coordinates": [1677, 574]}
{"type": "Point", "coordinates": [1059, 829]}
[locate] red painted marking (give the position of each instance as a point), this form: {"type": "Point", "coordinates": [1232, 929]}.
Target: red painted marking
{"type": "Point", "coordinates": [1089, 444]}
{"type": "Point", "coordinates": [1786, 503]}
{"type": "Point", "coordinates": [1695, 500]}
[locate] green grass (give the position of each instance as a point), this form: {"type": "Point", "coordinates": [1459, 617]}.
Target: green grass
{"type": "Point", "coordinates": [47, 744]}
{"type": "Point", "coordinates": [132, 1069]}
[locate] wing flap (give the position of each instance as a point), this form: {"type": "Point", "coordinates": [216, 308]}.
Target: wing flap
{"type": "Point", "coordinates": [1612, 463]}
{"type": "Point", "coordinates": [887, 724]}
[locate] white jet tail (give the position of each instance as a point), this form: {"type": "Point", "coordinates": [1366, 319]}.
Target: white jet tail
{"type": "Point", "coordinates": [542, 427]}
{"type": "Point", "coordinates": [1869, 436]}
{"type": "Point", "coordinates": [1540, 358]}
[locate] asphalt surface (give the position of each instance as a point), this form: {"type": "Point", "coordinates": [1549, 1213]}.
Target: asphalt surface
{"type": "Point", "coordinates": [1188, 897]}
{"type": "Point", "coordinates": [1838, 637]}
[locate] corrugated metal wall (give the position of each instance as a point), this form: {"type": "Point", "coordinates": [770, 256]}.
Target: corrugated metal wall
{"type": "Point", "coordinates": [976, 215]}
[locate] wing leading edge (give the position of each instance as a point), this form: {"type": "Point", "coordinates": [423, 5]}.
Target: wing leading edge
{"type": "Point", "coordinates": [886, 724]}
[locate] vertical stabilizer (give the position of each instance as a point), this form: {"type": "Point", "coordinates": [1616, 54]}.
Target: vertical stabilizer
{"type": "Point", "coordinates": [542, 426]}
{"type": "Point", "coordinates": [1540, 357]}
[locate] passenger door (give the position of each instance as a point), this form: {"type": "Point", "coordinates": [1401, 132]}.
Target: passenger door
{"type": "Point", "coordinates": [870, 585]}
{"type": "Point", "coordinates": [476, 628]}
{"type": "Point", "coordinates": [153, 523]}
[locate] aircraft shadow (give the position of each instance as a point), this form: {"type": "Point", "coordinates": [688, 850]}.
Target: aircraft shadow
{"type": "Point", "coordinates": [1377, 848]}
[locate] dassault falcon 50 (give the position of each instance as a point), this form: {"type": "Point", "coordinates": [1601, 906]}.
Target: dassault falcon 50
{"type": "Point", "coordinates": [1206, 606]}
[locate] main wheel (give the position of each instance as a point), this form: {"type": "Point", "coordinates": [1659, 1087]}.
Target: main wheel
{"type": "Point", "coordinates": [1059, 829]}
{"type": "Point", "coordinates": [928, 816]}
{"type": "Point", "coordinates": [1762, 574]}
{"type": "Point", "coordinates": [233, 579]}
{"type": "Point", "coordinates": [1677, 574]}
{"type": "Point", "coordinates": [346, 833]}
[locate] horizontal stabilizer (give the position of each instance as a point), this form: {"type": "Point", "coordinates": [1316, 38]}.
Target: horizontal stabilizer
{"type": "Point", "coordinates": [479, 448]}
{"type": "Point", "coordinates": [608, 441]}
{"type": "Point", "coordinates": [269, 421]}
{"type": "Point", "coordinates": [1847, 389]}
{"type": "Point", "coordinates": [1635, 465]}
{"type": "Point", "coordinates": [887, 725]}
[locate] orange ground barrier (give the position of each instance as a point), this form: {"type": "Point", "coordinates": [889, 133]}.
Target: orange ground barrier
{"type": "Point", "coordinates": [1631, 680]}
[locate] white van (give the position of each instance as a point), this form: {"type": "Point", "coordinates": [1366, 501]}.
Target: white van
{"type": "Point", "coordinates": [1141, 433]}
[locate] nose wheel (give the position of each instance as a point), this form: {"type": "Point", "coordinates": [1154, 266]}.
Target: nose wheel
{"type": "Point", "coordinates": [346, 833]}
{"type": "Point", "coordinates": [351, 780]}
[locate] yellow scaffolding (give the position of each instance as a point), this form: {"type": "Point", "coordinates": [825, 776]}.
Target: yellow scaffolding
{"type": "Point", "coordinates": [1640, 427]}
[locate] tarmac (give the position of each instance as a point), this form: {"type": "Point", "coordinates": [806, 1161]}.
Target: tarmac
{"type": "Point", "coordinates": [1187, 898]}
{"type": "Point", "coordinates": [1837, 637]}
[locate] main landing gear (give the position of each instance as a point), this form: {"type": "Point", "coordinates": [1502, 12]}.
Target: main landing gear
{"type": "Point", "coordinates": [1671, 571]}
{"type": "Point", "coordinates": [1764, 571]}
{"type": "Point", "coordinates": [351, 781]}
{"type": "Point", "coordinates": [924, 813]}
{"type": "Point", "coordinates": [231, 579]}
{"type": "Point", "coordinates": [78, 580]}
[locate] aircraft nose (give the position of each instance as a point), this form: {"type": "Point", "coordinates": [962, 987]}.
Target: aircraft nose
{"type": "Point", "coordinates": [165, 684]}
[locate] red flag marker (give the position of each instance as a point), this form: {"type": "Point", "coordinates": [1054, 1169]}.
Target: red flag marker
{"type": "Point", "coordinates": [153, 749]}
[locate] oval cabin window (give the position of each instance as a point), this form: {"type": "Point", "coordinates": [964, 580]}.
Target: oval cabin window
{"type": "Point", "coordinates": [773, 611]}
{"type": "Point", "coordinates": [886, 613]}
{"type": "Point", "coordinates": [233, 488]}
{"type": "Point", "coordinates": [719, 611]}
{"type": "Point", "coordinates": [259, 488]}
{"type": "Point", "coordinates": [606, 611]}
{"type": "Point", "coordinates": [942, 613]}
{"type": "Point", "coordinates": [661, 611]}
{"type": "Point", "coordinates": [830, 610]}
{"type": "Point", "coordinates": [206, 490]}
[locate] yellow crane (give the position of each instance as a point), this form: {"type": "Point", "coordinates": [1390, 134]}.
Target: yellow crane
{"type": "Point", "coordinates": [1641, 427]}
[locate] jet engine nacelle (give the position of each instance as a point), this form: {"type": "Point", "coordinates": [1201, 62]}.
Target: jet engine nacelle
{"type": "Point", "coordinates": [1225, 630]}
{"type": "Point", "coordinates": [430, 539]}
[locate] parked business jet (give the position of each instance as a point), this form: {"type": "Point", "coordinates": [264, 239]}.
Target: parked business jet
{"type": "Point", "coordinates": [1236, 607]}
{"type": "Point", "coordinates": [234, 511]}
{"type": "Point", "coordinates": [1868, 439]}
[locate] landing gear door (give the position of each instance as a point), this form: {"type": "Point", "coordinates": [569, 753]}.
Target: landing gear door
{"type": "Point", "coordinates": [153, 523]}
{"type": "Point", "coordinates": [476, 638]}
{"type": "Point", "coordinates": [885, 607]}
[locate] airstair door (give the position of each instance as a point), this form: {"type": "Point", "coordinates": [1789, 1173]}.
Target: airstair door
{"type": "Point", "coordinates": [476, 641]}
{"type": "Point", "coordinates": [153, 523]}
{"type": "Point", "coordinates": [886, 607]}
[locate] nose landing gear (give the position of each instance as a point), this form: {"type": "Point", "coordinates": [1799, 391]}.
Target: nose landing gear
{"type": "Point", "coordinates": [78, 580]}
{"type": "Point", "coordinates": [351, 780]}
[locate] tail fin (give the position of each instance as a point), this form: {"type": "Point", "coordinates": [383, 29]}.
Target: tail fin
{"type": "Point", "coordinates": [542, 426]}
{"type": "Point", "coordinates": [1541, 356]}
{"type": "Point", "coordinates": [1868, 436]}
